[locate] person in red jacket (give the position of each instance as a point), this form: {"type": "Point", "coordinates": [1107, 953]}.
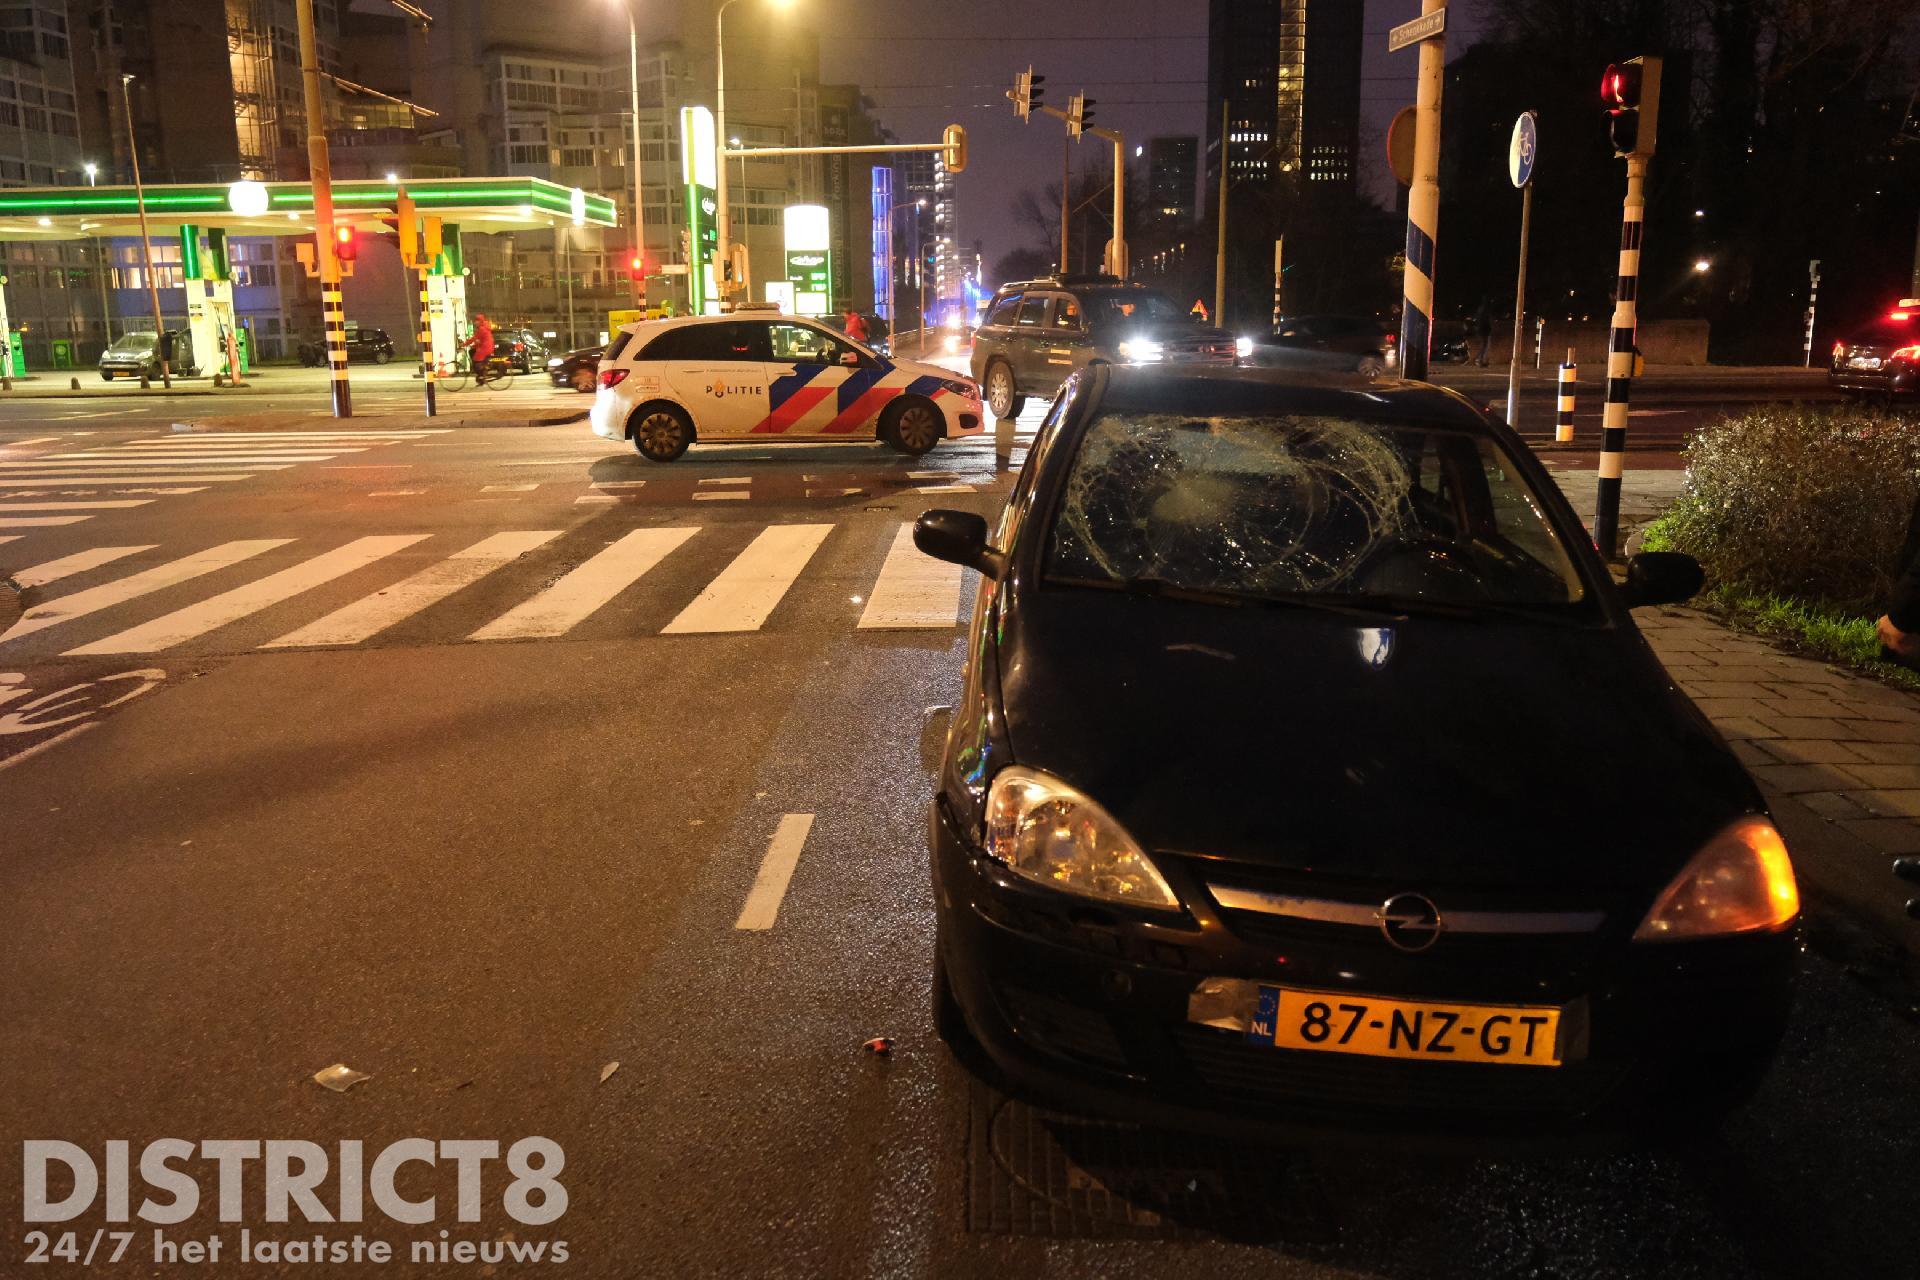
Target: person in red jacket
{"type": "Point", "coordinates": [854, 325]}
{"type": "Point", "coordinates": [481, 344]}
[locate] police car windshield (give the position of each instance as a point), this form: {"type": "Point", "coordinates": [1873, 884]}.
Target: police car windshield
{"type": "Point", "coordinates": [1109, 306]}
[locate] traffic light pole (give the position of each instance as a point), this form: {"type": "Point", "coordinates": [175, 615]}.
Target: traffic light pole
{"type": "Point", "coordinates": [1613, 420]}
{"type": "Point", "coordinates": [333, 316]}
{"type": "Point", "coordinates": [1423, 205]}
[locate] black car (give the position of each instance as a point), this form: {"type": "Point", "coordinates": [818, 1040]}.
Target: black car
{"type": "Point", "coordinates": [520, 348]}
{"type": "Point", "coordinates": [365, 344]}
{"type": "Point", "coordinates": [1038, 333]}
{"type": "Point", "coordinates": [1881, 359]}
{"type": "Point", "coordinates": [1274, 801]}
{"type": "Point", "coordinates": [1352, 344]}
{"type": "Point", "coordinates": [576, 369]}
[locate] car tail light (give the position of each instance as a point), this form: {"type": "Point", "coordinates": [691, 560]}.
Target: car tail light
{"type": "Point", "coordinates": [1898, 315]}
{"type": "Point", "coordinates": [1907, 353]}
{"type": "Point", "coordinates": [1391, 338]}
{"type": "Point", "coordinates": [612, 377]}
{"type": "Point", "coordinates": [519, 346]}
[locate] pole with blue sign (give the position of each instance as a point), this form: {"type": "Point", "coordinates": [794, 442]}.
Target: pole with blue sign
{"type": "Point", "coordinates": [1521, 153]}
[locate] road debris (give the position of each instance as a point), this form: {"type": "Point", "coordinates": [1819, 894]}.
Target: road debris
{"type": "Point", "coordinates": [608, 1070]}
{"type": "Point", "coordinates": [339, 1077]}
{"type": "Point", "coordinates": [881, 1045]}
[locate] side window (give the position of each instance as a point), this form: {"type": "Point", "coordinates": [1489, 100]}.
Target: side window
{"type": "Point", "coordinates": [803, 344]}
{"type": "Point", "coordinates": [1005, 310]}
{"type": "Point", "coordinates": [621, 341]}
{"type": "Point", "coordinates": [732, 341]}
{"type": "Point", "coordinates": [1066, 313]}
{"type": "Point", "coordinates": [1033, 312]}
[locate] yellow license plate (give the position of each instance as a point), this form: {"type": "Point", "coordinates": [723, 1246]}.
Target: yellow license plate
{"type": "Point", "coordinates": [1341, 1022]}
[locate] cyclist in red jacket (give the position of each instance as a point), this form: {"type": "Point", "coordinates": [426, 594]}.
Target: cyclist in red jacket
{"type": "Point", "coordinates": [481, 343]}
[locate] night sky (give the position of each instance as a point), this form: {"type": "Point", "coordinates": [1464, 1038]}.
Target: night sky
{"type": "Point", "coordinates": [926, 62]}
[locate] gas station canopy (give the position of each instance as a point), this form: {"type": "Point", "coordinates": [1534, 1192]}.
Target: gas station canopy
{"type": "Point", "coordinates": [475, 204]}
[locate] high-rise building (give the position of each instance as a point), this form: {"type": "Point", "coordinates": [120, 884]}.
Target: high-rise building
{"type": "Point", "coordinates": [1289, 72]}
{"type": "Point", "coordinates": [1173, 166]}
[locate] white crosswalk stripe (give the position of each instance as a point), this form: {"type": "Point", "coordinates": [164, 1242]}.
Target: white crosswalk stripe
{"type": "Point", "coordinates": [737, 583]}
{"type": "Point", "coordinates": [8, 508]}
{"type": "Point", "coordinates": [14, 481]}
{"type": "Point", "coordinates": [82, 603]}
{"type": "Point", "coordinates": [38, 522]}
{"type": "Point", "coordinates": [10, 538]}
{"type": "Point", "coordinates": [40, 575]}
{"type": "Point", "coordinates": [568, 602]}
{"type": "Point", "coordinates": [375, 613]}
{"type": "Point", "coordinates": [913, 591]}
{"type": "Point", "coordinates": [161, 466]}
{"type": "Point", "coordinates": [748, 589]}
{"type": "Point", "coordinates": [198, 619]}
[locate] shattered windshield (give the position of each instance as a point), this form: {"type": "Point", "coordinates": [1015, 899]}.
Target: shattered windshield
{"type": "Point", "coordinates": [1272, 507]}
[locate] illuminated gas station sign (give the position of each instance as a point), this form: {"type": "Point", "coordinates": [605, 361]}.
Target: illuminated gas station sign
{"type": "Point", "coordinates": [698, 175]}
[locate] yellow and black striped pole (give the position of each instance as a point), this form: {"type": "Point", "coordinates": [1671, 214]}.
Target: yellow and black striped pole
{"type": "Point", "coordinates": [1569, 387]}
{"type": "Point", "coordinates": [426, 337]}
{"type": "Point", "coordinates": [1620, 359]}
{"type": "Point", "coordinates": [1423, 205]}
{"type": "Point", "coordinates": [333, 315]}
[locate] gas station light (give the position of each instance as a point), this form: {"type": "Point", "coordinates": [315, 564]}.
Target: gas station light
{"type": "Point", "coordinates": [247, 198]}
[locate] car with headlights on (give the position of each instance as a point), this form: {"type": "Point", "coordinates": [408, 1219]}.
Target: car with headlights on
{"type": "Point", "coordinates": [1327, 343]}
{"type": "Point", "coordinates": [1309, 774]}
{"type": "Point", "coordinates": [1880, 359]}
{"type": "Point", "coordinates": [577, 369]}
{"type": "Point", "coordinates": [1038, 333]}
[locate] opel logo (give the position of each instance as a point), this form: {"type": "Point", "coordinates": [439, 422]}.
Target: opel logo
{"type": "Point", "coordinates": [1410, 921]}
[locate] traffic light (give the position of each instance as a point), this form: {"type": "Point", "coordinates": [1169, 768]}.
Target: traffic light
{"type": "Point", "coordinates": [1630, 91]}
{"type": "Point", "coordinates": [954, 152]}
{"type": "Point", "coordinates": [1079, 114]}
{"type": "Point", "coordinates": [407, 223]}
{"type": "Point", "coordinates": [1026, 92]}
{"type": "Point", "coordinates": [346, 244]}
{"type": "Point", "coordinates": [637, 266]}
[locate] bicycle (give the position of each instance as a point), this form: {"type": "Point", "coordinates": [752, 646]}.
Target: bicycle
{"type": "Point", "coordinates": [455, 375]}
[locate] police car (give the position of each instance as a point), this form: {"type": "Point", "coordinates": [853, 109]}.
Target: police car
{"type": "Point", "coordinates": [754, 376]}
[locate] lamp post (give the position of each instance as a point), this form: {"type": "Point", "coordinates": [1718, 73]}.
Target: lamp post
{"type": "Point", "coordinates": [723, 248]}
{"type": "Point", "coordinates": [100, 264]}
{"type": "Point", "coordinates": [146, 240]}
{"type": "Point", "coordinates": [638, 240]}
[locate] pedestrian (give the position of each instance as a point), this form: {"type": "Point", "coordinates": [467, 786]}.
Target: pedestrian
{"type": "Point", "coordinates": [1483, 328]}
{"type": "Point", "coordinates": [854, 325]}
{"type": "Point", "coordinates": [1899, 626]}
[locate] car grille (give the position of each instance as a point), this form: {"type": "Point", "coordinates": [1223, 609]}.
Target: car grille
{"type": "Point", "coordinates": [1198, 351]}
{"type": "Point", "coordinates": [1301, 1080]}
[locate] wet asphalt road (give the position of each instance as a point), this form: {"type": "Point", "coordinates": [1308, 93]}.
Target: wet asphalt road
{"type": "Point", "coordinates": [484, 871]}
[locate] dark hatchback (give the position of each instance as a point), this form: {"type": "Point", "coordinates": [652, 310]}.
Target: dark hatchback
{"type": "Point", "coordinates": [1328, 343]}
{"type": "Point", "coordinates": [1310, 774]}
{"type": "Point", "coordinates": [577, 369]}
{"type": "Point", "coordinates": [1882, 359]}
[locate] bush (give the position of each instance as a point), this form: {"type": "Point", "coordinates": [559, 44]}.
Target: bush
{"type": "Point", "coordinates": [1810, 504]}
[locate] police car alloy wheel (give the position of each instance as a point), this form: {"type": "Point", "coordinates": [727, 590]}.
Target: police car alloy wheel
{"type": "Point", "coordinates": [1000, 396]}
{"type": "Point", "coordinates": [662, 435]}
{"type": "Point", "coordinates": [915, 429]}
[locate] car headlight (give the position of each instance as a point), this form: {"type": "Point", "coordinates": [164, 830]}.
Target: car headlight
{"type": "Point", "coordinates": [1045, 831]}
{"type": "Point", "coordinates": [555, 363]}
{"type": "Point", "coordinates": [1141, 351]}
{"type": "Point", "coordinates": [1740, 882]}
{"type": "Point", "coordinates": [1243, 347]}
{"type": "Point", "coordinates": [965, 389]}
{"type": "Point", "coordinates": [952, 343]}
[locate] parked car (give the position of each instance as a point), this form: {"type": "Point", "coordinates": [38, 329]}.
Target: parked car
{"type": "Point", "coordinates": [520, 348]}
{"type": "Point", "coordinates": [1037, 333]}
{"type": "Point", "coordinates": [1881, 358]}
{"type": "Point", "coordinates": [1449, 343]}
{"type": "Point", "coordinates": [1355, 344]}
{"type": "Point", "coordinates": [132, 354]}
{"type": "Point", "coordinates": [1262, 808]}
{"type": "Point", "coordinates": [576, 369]}
{"type": "Point", "coordinates": [365, 344]}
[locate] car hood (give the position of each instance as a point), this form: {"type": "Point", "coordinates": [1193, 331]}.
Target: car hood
{"type": "Point", "coordinates": [921, 369]}
{"type": "Point", "coordinates": [1493, 754]}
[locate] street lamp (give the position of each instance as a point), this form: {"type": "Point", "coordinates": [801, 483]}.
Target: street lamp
{"type": "Point", "coordinates": [146, 239]}
{"type": "Point", "coordinates": [93, 173]}
{"type": "Point", "coordinates": [1702, 264]}
{"type": "Point", "coordinates": [736, 144]}
{"type": "Point", "coordinates": [723, 249]}
{"type": "Point", "coordinates": [637, 241]}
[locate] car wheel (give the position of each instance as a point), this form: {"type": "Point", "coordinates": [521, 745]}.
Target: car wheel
{"type": "Point", "coordinates": [106, 375]}
{"type": "Point", "coordinates": [381, 357]}
{"type": "Point", "coordinates": [1001, 396]}
{"type": "Point", "coordinates": [914, 427]}
{"type": "Point", "coordinates": [1370, 366]}
{"type": "Point", "coordinates": [662, 433]}
{"type": "Point", "coordinates": [582, 380]}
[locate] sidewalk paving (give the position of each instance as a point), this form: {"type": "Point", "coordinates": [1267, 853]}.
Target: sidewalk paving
{"type": "Point", "coordinates": [1836, 754]}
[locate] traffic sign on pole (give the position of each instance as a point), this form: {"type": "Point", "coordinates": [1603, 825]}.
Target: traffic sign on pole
{"type": "Point", "coordinates": [1522, 149]}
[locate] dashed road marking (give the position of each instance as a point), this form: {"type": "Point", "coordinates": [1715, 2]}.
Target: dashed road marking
{"type": "Point", "coordinates": [776, 872]}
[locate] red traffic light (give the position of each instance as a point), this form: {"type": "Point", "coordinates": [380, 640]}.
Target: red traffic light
{"type": "Point", "coordinates": [1620, 87]}
{"type": "Point", "coordinates": [346, 244]}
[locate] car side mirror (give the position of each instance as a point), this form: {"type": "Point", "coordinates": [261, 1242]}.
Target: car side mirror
{"type": "Point", "coordinates": [1662, 577]}
{"type": "Point", "coordinates": [958, 537]}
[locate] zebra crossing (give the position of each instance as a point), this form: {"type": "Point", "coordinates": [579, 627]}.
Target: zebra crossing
{"type": "Point", "coordinates": [281, 594]}
{"type": "Point", "coordinates": [63, 488]}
